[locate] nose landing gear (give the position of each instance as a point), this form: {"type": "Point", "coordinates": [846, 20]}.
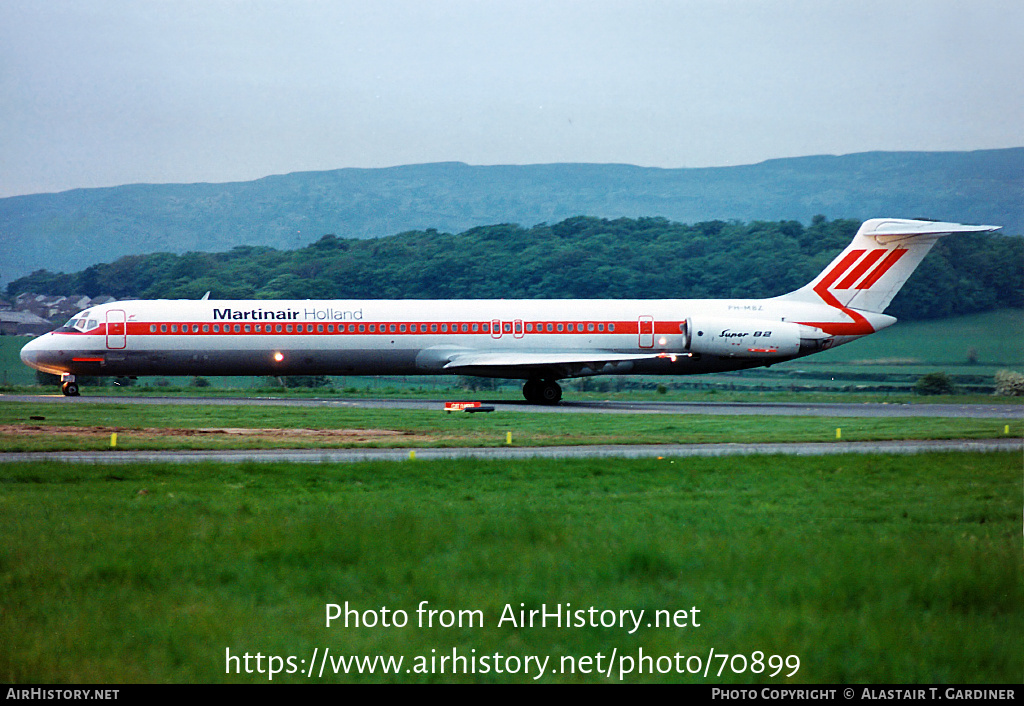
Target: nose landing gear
{"type": "Point", "coordinates": [68, 385]}
{"type": "Point", "coordinates": [542, 391]}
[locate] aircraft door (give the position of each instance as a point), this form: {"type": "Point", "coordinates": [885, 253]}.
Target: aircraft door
{"type": "Point", "coordinates": [518, 330]}
{"type": "Point", "coordinates": [646, 328]}
{"type": "Point", "coordinates": [496, 328]}
{"type": "Point", "coordinates": [116, 329]}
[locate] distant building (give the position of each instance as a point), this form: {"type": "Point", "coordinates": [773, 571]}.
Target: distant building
{"type": "Point", "coordinates": [23, 323]}
{"type": "Point", "coordinates": [57, 308]}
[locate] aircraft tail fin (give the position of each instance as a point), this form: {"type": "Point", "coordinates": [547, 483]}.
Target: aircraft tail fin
{"type": "Point", "coordinates": [874, 266]}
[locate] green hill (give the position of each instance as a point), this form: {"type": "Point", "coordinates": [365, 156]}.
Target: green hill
{"type": "Point", "coordinates": [74, 229]}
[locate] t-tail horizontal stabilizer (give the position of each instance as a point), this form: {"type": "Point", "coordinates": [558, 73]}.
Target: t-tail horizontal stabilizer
{"type": "Point", "coordinates": [874, 266]}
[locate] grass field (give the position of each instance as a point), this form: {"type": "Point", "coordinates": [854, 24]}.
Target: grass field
{"type": "Point", "coordinates": [877, 569]}
{"type": "Point", "coordinates": [29, 426]}
{"type": "Point", "coordinates": [997, 338]}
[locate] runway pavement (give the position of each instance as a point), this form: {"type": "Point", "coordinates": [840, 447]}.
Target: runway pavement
{"type": "Point", "coordinates": [506, 452]}
{"type": "Point", "coordinates": [795, 409]}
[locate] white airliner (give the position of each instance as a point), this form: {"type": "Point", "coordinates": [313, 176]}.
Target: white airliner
{"type": "Point", "coordinates": [536, 340]}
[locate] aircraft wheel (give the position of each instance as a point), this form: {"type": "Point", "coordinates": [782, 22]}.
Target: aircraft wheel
{"type": "Point", "coordinates": [550, 392]}
{"type": "Point", "coordinates": [531, 391]}
{"type": "Point", "coordinates": [70, 389]}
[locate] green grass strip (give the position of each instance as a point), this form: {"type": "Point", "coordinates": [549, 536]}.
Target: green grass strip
{"type": "Point", "coordinates": [134, 425]}
{"type": "Point", "coordinates": [886, 569]}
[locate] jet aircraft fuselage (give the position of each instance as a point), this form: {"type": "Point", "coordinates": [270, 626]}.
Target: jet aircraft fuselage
{"type": "Point", "coordinates": [540, 341]}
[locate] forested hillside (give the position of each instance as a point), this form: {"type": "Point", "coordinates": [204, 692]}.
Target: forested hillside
{"type": "Point", "coordinates": [75, 229]}
{"type": "Point", "coordinates": [576, 258]}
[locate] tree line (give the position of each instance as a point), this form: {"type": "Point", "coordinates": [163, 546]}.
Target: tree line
{"type": "Point", "coordinates": [582, 257]}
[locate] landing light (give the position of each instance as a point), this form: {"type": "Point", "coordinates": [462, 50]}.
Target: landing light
{"type": "Point", "coordinates": [278, 356]}
{"type": "Point", "coordinates": [662, 341]}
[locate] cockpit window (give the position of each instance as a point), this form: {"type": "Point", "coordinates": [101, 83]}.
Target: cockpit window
{"type": "Point", "coordinates": [81, 323]}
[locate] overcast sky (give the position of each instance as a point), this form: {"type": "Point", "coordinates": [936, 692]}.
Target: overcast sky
{"type": "Point", "coordinates": [101, 93]}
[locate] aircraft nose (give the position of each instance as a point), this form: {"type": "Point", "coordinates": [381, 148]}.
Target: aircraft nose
{"type": "Point", "coordinates": [30, 353]}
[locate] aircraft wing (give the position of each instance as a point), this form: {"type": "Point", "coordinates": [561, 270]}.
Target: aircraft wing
{"type": "Point", "coordinates": [475, 359]}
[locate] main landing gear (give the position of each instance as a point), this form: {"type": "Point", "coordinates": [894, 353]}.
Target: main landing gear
{"type": "Point", "coordinates": [542, 391]}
